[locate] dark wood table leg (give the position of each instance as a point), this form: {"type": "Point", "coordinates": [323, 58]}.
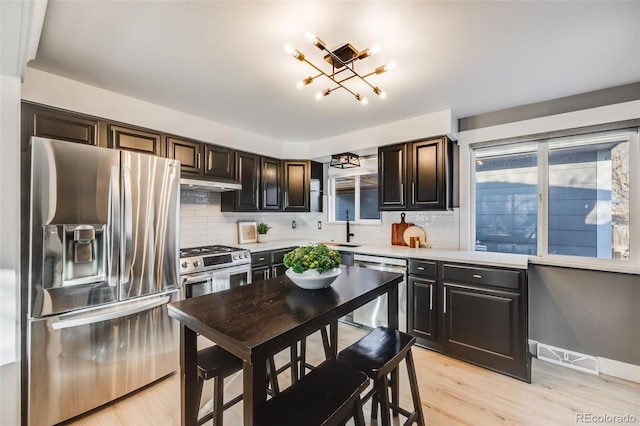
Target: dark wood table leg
{"type": "Point", "coordinates": [190, 398]}
{"type": "Point", "coordinates": [254, 382]}
{"type": "Point", "coordinates": [393, 313]}
{"type": "Point", "coordinates": [333, 342]}
{"type": "Point", "coordinates": [392, 308]}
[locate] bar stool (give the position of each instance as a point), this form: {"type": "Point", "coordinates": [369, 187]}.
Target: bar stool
{"type": "Point", "coordinates": [298, 361]}
{"type": "Point", "coordinates": [328, 395]}
{"type": "Point", "coordinates": [217, 364]}
{"type": "Point", "coordinates": [378, 354]}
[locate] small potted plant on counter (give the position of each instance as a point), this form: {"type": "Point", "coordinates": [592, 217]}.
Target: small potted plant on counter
{"type": "Point", "coordinates": [262, 228]}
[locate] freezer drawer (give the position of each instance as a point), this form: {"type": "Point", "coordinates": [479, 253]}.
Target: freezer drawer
{"type": "Point", "coordinates": [80, 361]}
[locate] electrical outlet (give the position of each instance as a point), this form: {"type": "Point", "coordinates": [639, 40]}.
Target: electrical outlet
{"type": "Point", "coordinates": [319, 224]}
{"type": "Point", "coordinates": [293, 224]}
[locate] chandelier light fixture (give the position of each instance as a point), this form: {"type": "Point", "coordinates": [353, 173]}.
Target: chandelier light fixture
{"type": "Point", "coordinates": [342, 61]}
{"type": "Point", "coordinates": [345, 160]}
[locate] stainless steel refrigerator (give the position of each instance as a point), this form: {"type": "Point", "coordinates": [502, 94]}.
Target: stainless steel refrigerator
{"type": "Point", "coordinates": [103, 266]}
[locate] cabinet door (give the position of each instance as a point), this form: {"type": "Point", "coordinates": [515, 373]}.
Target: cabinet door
{"type": "Point", "coordinates": [422, 308]}
{"type": "Point", "coordinates": [278, 270]}
{"type": "Point", "coordinates": [262, 273]}
{"type": "Point", "coordinates": [248, 174]}
{"type": "Point", "coordinates": [296, 186]}
{"type": "Point", "coordinates": [483, 326]}
{"type": "Point", "coordinates": [428, 184]}
{"type": "Point", "coordinates": [59, 125]}
{"type": "Point", "coordinates": [188, 152]}
{"type": "Point", "coordinates": [392, 173]}
{"type": "Point", "coordinates": [140, 141]}
{"type": "Point", "coordinates": [270, 184]}
{"type": "Point", "coordinates": [219, 162]}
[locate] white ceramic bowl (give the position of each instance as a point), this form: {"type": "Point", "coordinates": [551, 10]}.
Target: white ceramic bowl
{"type": "Point", "coordinates": [312, 279]}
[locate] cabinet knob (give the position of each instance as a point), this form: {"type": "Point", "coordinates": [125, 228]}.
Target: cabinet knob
{"type": "Point", "coordinates": [420, 268]}
{"type": "Point", "coordinates": [477, 276]}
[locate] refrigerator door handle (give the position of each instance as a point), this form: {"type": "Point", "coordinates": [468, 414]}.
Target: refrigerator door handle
{"type": "Point", "coordinates": [127, 226]}
{"type": "Point", "coordinates": [60, 325]}
{"type": "Point", "coordinates": [113, 235]}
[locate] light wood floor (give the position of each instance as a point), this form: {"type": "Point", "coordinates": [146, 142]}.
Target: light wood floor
{"type": "Point", "coordinates": [452, 392]}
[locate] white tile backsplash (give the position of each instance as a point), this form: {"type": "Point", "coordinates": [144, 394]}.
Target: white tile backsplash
{"type": "Point", "coordinates": [202, 223]}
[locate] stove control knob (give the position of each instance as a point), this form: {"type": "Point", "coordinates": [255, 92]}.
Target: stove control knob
{"type": "Point", "coordinates": [196, 263]}
{"type": "Point", "coordinates": [246, 254]}
{"type": "Point", "coordinates": [185, 264]}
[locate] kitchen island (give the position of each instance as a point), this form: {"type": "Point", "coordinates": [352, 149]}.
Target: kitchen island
{"type": "Point", "coordinates": [256, 321]}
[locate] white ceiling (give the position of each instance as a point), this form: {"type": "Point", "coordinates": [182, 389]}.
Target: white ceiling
{"type": "Point", "coordinates": [224, 60]}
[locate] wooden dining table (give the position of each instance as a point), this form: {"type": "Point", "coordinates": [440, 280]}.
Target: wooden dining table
{"type": "Point", "coordinates": [256, 321]}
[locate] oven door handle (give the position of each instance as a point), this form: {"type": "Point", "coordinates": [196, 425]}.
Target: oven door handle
{"type": "Point", "coordinates": [190, 279]}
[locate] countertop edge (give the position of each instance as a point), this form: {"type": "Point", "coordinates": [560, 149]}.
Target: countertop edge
{"type": "Point", "coordinates": [460, 256]}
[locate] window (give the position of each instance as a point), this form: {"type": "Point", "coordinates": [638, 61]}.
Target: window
{"type": "Point", "coordinates": [355, 194]}
{"type": "Point", "coordinates": [557, 197]}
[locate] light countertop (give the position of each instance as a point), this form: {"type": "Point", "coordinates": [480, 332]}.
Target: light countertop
{"type": "Point", "coordinates": [462, 256]}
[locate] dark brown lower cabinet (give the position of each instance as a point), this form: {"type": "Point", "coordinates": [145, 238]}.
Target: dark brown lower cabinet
{"type": "Point", "coordinates": [483, 326]}
{"type": "Point", "coordinates": [423, 319]}
{"type": "Point", "coordinates": [268, 264]}
{"type": "Point", "coordinates": [472, 312]}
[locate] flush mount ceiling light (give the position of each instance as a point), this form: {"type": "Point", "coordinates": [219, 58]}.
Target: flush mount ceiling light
{"type": "Point", "coordinates": [345, 160]}
{"type": "Point", "coordinates": [342, 61]}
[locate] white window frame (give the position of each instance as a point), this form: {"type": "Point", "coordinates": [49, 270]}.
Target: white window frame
{"type": "Point", "coordinates": [331, 211]}
{"type": "Point", "coordinates": [543, 257]}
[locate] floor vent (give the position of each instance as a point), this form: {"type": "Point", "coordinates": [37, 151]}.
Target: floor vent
{"type": "Point", "coordinates": [575, 360]}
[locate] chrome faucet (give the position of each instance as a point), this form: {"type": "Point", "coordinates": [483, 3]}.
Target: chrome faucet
{"type": "Point", "coordinates": [349, 234]}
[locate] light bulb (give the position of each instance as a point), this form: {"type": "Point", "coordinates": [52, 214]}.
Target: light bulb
{"type": "Point", "coordinates": [380, 93]}
{"type": "Point", "coordinates": [289, 49]}
{"type": "Point", "coordinates": [363, 100]}
{"type": "Point", "coordinates": [375, 49]}
{"type": "Point", "coordinates": [309, 36]}
{"type": "Point", "coordinates": [391, 66]}
{"type": "Point", "coordinates": [300, 84]}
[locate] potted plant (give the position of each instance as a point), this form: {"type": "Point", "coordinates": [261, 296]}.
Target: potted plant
{"type": "Point", "coordinates": [312, 267]}
{"type": "Point", "coordinates": [262, 228]}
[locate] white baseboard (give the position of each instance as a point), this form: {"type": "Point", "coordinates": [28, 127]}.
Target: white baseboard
{"type": "Point", "coordinates": [619, 369]}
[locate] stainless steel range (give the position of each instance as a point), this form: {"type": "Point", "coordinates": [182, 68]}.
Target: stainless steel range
{"type": "Point", "coordinates": [214, 268]}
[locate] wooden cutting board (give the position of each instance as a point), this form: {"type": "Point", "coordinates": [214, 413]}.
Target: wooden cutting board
{"type": "Point", "coordinates": [397, 231]}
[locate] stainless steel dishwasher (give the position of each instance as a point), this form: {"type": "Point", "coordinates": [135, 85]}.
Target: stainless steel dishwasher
{"type": "Point", "coordinates": [374, 313]}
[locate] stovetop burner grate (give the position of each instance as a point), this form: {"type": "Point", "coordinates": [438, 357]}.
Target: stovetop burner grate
{"type": "Point", "coordinates": [207, 250]}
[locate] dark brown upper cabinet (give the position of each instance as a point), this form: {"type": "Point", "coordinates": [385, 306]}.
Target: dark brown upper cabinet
{"type": "Point", "coordinates": [202, 160]}
{"type": "Point", "coordinates": [246, 199]}
{"type": "Point", "coordinates": [270, 183]}
{"type": "Point", "coordinates": [297, 176]}
{"type": "Point", "coordinates": [302, 186]}
{"type": "Point", "coordinates": [220, 162]}
{"type": "Point", "coordinates": [56, 124]}
{"type": "Point", "coordinates": [392, 175]}
{"type": "Point", "coordinates": [188, 152]}
{"type": "Point", "coordinates": [418, 175]}
{"type": "Point", "coordinates": [130, 139]}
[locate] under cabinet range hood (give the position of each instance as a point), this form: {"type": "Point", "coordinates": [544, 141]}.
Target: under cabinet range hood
{"type": "Point", "coordinates": [208, 185]}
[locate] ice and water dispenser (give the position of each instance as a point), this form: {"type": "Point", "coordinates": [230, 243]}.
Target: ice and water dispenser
{"type": "Point", "coordinates": [74, 254]}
